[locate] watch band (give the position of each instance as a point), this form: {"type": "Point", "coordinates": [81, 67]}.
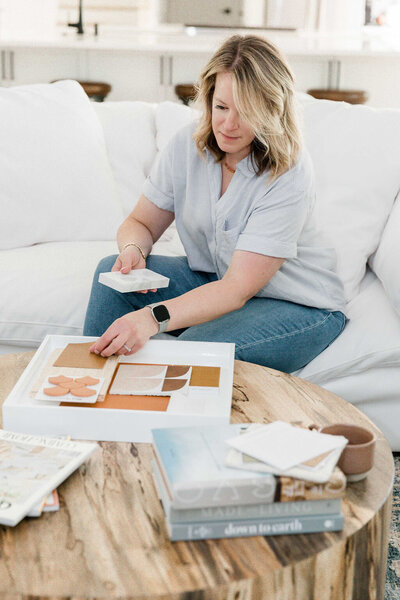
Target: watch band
{"type": "Point", "coordinates": [160, 316]}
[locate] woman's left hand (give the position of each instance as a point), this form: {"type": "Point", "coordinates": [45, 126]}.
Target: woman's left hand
{"type": "Point", "coordinates": [127, 334]}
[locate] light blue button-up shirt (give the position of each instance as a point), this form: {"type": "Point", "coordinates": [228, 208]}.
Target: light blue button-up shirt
{"type": "Point", "coordinates": [275, 219]}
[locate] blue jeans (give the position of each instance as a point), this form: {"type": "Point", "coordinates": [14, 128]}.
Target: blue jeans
{"type": "Point", "coordinates": [274, 333]}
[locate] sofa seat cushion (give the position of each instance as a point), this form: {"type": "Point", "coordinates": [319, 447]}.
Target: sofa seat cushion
{"type": "Point", "coordinates": [371, 339]}
{"type": "Point", "coordinates": [45, 288]}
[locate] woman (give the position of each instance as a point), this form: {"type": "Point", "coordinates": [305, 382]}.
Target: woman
{"type": "Point", "coordinates": [240, 188]}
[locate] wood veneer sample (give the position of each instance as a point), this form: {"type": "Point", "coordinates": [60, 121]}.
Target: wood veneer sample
{"type": "Point", "coordinates": [78, 355]}
{"type": "Point", "coordinates": [205, 376]}
{"type": "Point", "coordinates": [173, 385]}
{"type": "Point", "coordinates": [177, 370]}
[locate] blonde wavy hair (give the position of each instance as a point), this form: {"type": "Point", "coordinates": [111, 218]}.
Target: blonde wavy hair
{"type": "Point", "coordinates": [263, 92]}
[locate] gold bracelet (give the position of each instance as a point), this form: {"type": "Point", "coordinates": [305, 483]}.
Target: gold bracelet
{"type": "Point", "coordinates": [136, 246]}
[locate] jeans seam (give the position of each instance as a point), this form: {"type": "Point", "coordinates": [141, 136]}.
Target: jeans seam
{"type": "Point", "coordinates": [278, 337]}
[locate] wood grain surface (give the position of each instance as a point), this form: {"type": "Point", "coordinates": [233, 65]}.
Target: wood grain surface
{"type": "Point", "coordinates": [109, 538]}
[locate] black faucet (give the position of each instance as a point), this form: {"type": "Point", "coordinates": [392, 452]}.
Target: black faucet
{"type": "Point", "coordinates": [79, 24]}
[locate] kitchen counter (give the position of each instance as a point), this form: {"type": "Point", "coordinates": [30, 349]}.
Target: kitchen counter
{"type": "Point", "coordinates": [370, 42]}
{"type": "Point", "coordinates": [146, 65]}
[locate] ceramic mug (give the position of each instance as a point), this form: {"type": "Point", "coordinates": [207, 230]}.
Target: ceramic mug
{"type": "Point", "coordinates": [357, 457]}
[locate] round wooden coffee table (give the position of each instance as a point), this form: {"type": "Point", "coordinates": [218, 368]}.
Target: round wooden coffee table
{"type": "Point", "coordinates": [109, 538]}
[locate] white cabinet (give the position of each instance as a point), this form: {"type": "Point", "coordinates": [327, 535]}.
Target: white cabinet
{"type": "Point", "coordinates": [183, 68]}
{"type": "Point", "coordinates": [134, 75]}
{"type": "Point", "coordinates": [309, 72]}
{"type": "Point", "coordinates": [7, 66]}
{"type": "Point", "coordinates": [151, 73]}
{"type": "Point", "coordinates": [378, 76]}
{"type": "Point", "coordinates": [150, 77]}
{"type": "Point", "coordinates": [21, 66]}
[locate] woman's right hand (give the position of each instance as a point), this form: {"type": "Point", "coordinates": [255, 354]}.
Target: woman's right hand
{"type": "Point", "coordinates": [130, 259]}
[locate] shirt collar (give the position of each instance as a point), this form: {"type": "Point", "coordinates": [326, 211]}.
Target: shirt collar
{"type": "Point", "coordinates": [245, 166]}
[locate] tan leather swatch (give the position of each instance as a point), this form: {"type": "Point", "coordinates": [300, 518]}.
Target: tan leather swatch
{"type": "Point", "coordinates": [78, 355]}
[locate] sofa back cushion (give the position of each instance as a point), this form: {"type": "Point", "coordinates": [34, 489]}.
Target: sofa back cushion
{"type": "Point", "coordinates": [170, 117]}
{"type": "Point", "coordinates": [356, 156]}
{"type": "Point", "coordinates": [130, 134]}
{"type": "Point", "coordinates": [56, 181]}
{"type": "Point", "coordinates": [385, 260]}
{"type": "Point", "coordinates": [355, 152]}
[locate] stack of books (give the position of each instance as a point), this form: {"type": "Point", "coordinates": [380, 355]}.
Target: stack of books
{"type": "Point", "coordinates": [31, 468]}
{"type": "Point", "coordinates": [203, 498]}
{"type": "Point", "coordinates": [51, 503]}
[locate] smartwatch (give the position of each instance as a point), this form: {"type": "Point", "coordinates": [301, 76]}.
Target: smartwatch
{"type": "Point", "coordinates": [160, 315]}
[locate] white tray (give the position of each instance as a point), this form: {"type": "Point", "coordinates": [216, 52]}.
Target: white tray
{"type": "Point", "coordinates": [23, 414]}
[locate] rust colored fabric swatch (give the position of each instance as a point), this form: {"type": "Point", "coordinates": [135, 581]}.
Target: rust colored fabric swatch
{"type": "Point", "coordinates": [158, 403]}
{"type": "Point", "coordinates": [87, 380]}
{"type": "Point", "coordinates": [83, 392]}
{"type": "Point", "coordinates": [60, 379]}
{"type": "Point", "coordinates": [71, 385]}
{"type": "Point", "coordinates": [205, 376]}
{"type": "Point", "coordinates": [55, 391]}
{"type": "Point", "coordinates": [78, 355]}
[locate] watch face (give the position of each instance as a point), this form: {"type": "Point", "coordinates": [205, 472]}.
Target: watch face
{"type": "Point", "coordinates": [161, 313]}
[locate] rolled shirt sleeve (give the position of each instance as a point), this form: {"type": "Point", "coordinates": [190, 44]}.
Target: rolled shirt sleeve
{"type": "Point", "coordinates": [277, 219]}
{"type": "Point", "coordinates": [159, 185]}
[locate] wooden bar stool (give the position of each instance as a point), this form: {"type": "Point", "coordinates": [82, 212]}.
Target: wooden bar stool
{"type": "Point", "coordinates": [333, 91]}
{"type": "Point", "coordinates": [96, 90]}
{"type": "Point", "coordinates": [350, 96]}
{"type": "Point", "coordinates": [185, 92]}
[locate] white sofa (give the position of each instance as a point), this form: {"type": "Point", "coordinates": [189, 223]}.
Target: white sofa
{"type": "Point", "coordinates": [72, 169]}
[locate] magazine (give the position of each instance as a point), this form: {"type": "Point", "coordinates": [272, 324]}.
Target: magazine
{"type": "Point", "coordinates": [31, 467]}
